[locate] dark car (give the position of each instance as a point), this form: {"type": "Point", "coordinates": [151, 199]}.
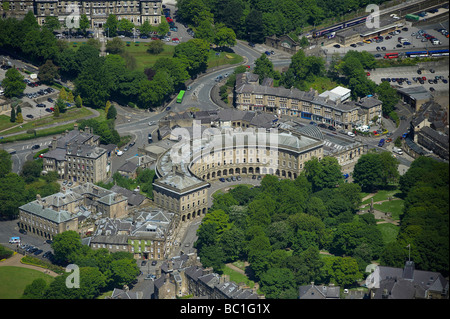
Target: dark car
{"type": "Point", "coordinates": [39, 251]}
{"type": "Point", "coordinates": [154, 263]}
{"type": "Point", "coordinates": [132, 144]}
{"type": "Point", "coordinates": [29, 116]}
{"type": "Point", "coordinates": [322, 125]}
{"type": "Point", "coordinates": [143, 263]}
{"type": "Point", "coordinates": [35, 147]}
{"type": "Point", "coordinates": [313, 123]}
{"type": "Point", "coordinates": [222, 179]}
{"type": "Point", "coordinates": [419, 72]}
{"type": "Point", "coordinates": [331, 128]}
{"type": "Point", "coordinates": [251, 44]}
{"type": "Point", "coordinates": [337, 46]}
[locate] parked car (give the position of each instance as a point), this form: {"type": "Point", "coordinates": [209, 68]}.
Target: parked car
{"type": "Point", "coordinates": [35, 147]}
{"type": "Point", "coordinates": [331, 128]}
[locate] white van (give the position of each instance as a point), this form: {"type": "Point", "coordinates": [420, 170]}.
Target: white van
{"type": "Point", "coordinates": [14, 240]}
{"type": "Point", "coordinates": [436, 41]}
{"type": "Point", "coordinates": [398, 150]}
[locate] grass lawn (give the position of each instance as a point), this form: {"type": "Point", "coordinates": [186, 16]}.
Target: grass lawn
{"type": "Point", "coordinates": [14, 280]}
{"type": "Point", "coordinates": [395, 207]}
{"type": "Point", "coordinates": [145, 60]}
{"type": "Point", "coordinates": [71, 114]}
{"type": "Point", "coordinates": [215, 60]}
{"type": "Point", "coordinates": [237, 277]}
{"type": "Point", "coordinates": [5, 122]}
{"type": "Point", "coordinates": [388, 232]}
{"type": "Point", "coordinates": [382, 195]}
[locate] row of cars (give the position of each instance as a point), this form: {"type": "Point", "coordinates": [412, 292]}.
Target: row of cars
{"type": "Point", "coordinates": [39, 93]}
{"type": "Point", "coordinates": [234, 179]}
{"type": "Point", "coordinates": [30, 249]}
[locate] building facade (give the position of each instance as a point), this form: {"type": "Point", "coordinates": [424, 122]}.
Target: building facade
{"type": "Point", "coordinates": [136, 11]}
{"type": "Point", "coordinates": [49, 216]}
{"type": "Point", "coordinates": [252, 96]}
{"type": "Point", "coordinates": [77, 157]}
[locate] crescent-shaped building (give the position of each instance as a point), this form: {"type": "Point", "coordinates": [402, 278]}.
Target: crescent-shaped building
{"type": "Point", "coordinates": [185, 170]}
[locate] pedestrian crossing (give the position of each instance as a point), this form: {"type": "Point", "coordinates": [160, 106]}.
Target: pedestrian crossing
{"type": "Point", "coordinates": [29, 146]}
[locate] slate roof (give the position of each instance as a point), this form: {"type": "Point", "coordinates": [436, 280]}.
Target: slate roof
{"type": "Point", "coordinates": [318, 292]}
{"type": "Point", "coordinates": [47, 213]}
{"type": "Point", "coordinates": [134, 198]}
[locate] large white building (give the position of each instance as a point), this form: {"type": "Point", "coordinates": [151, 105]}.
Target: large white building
{"type": "Point", "coordinates": [136, 11]}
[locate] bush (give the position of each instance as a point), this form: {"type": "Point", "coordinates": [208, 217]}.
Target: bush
{"type": "Point", "coordinates": [155, 47]}
{"type": "Point", "coordinates": [394, 116]}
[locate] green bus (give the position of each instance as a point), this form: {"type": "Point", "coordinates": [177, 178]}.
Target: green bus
{"type": "Point", "coordinates": [412, 17]}
{"type": "Point", "coordinates": [180, 96]}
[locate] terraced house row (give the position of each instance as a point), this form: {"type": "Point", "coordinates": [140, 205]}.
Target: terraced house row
{"type": "Point", "coordinates": [136, 11]}
{"type": "Point", "coordinates": [331, 107]}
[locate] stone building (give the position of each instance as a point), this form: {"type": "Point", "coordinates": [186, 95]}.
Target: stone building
{"type": "Point", "coordinates": [51, 215]}
{"type": "Point", "coordinates": [136, 11]}
{"type": "Point", "coordinates": [284, 42]}
{"type": "Point", "coordinates": [252, 96]}
{"type": "Point", "coordinates": [182, 193]}
{"type": "Point", "coordinates": [184, 276]}
{"type": "Point", "coordinates": [76, 156]}
{"type": "Point", "coordinates": [406, 283]}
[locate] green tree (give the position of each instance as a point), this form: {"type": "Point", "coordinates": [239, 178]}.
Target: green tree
{"type": "Point", "coordinates": [78, 102]}
{"type": "Point", "coordinates": [225, 37]}
{"type": "Point", "coordinates": [124, 272]}
{"type": "Point", "coordinates": [155, 47]}
{"type": "Point", "coordinates": [35, 290]}
{"type": "Point", "coordinates": [48, 72]}
{"type": "Point", "coordinates": [115, 46]}
{"type": "Point", "coordinates": [112, 113]}
{"type": "Point", "coordinates": [276, 281]}
{"type": "Point", "coordinates": [67, 246]}
{"type": "Point", "coordinates": [125, 25]}
{"type": "Point", "coordinates": [52, 23]}
{"type": "Point", "coordinates": [111, 25]}
{"type": "Point", "coordinates": [162, 28]}
{"type": "Point", "coordinates": [146, 28]}
{"type": "Point", "coordinates": [12, 195]}
{"type": "Point", "coordinates": [195, 54]}
{"type": "Point", "coordinates": [19, 118]}
{"type": "Point", "coordinates": [13, 83]}
{"type": "Point", "coordinates": [31, 170]}
{"type": "Point", "coordinates": [213, 256]}
{"type": "Point", "coordinates": [84, 23]}
{"type": "Point", "coordinates": [368, 172]}
{"type": "Point", "coordinates": [5, 163]}
{"type": "Point", "coordinates": [388, 95]}
{"type": "Point", "coordinates": [12, 117]}
{"type": "Point", "coordinates": [219, 218]}
{"type": "Point", "coordinates": [263, 67]}
{"type": "Point", "coordinates": [342, 271]}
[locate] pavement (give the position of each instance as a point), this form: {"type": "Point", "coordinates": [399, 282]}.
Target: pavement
{"type": "Point", "coordinates": [15, 261]}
